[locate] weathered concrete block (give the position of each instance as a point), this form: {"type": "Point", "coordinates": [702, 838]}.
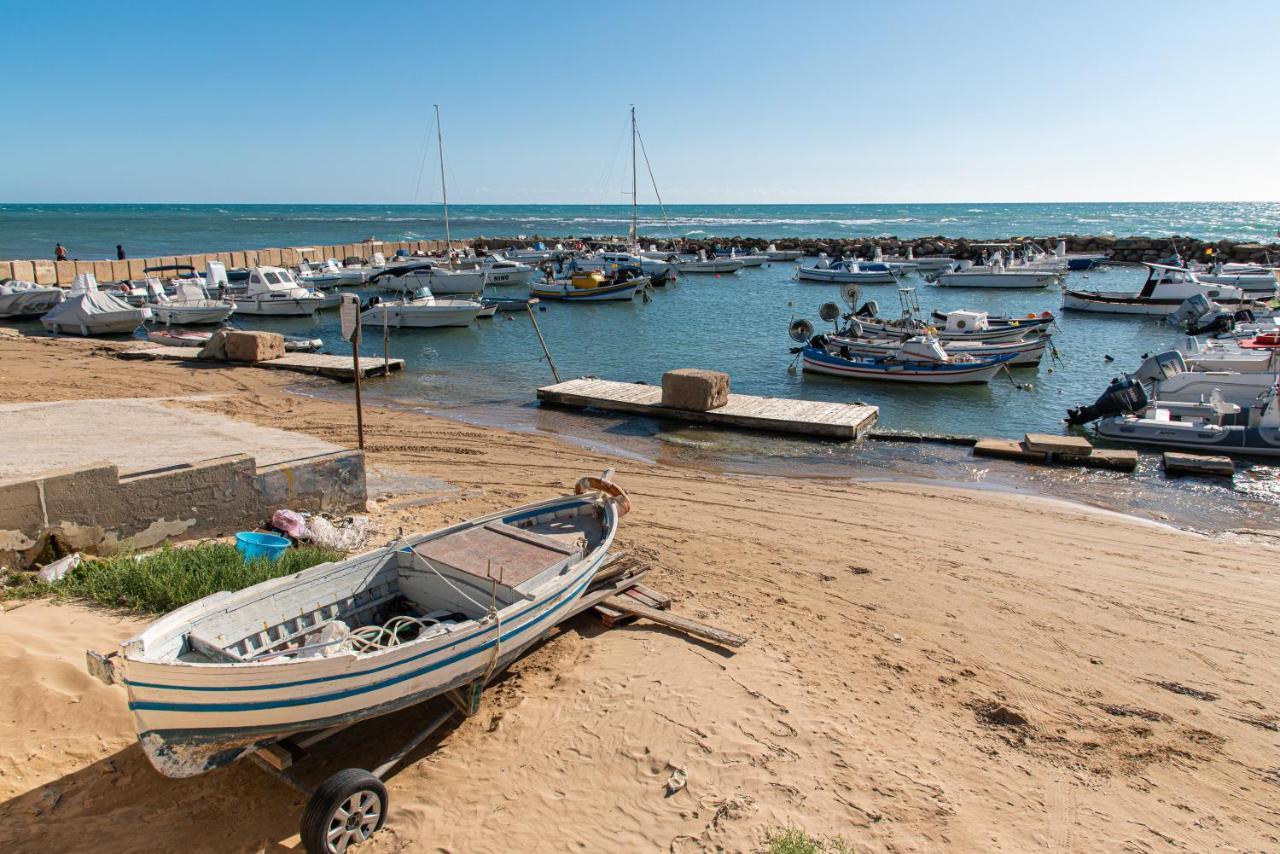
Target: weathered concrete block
{"type": "Point", "coordinates": [1048, 443]}
{"type": "Point", "coordinates": [253, 346]}
{"type": "Point", "coordinates": [290, 257]}
{"type": "Point", "coordinates": [238, 260]}
{"type": "Point", "coordinates": [1175, 463]}
{"type": "Point", "coordinates": [83, 267]}
{"type": "Point", "coordinates": [6, 270]}
{"type": "Point", "coordinates": [695, 389]}
{"type": "Point", "coordinates": [1106, 458]}
{"type": "Point", "coordinates": [120, 271]}
{"type": "Point", "coordinates": [24, 271]}
{"type": "Point", "coordinates": [1008, 449]}
{"type": "Point", "coordinates": [215, 349]}
{"type": "Point", "coordinates": [44, 272]}
{"type": "Point", "coordinates": [102, 271]}
{"type": "Point", "coordinates": [251, 258]}
{"type": "Point", "coordinates": [66, 272]}
{"type": "Point", "coordinates": [136, 266]}
{"type": "Point", "coordinates": [269, 257]}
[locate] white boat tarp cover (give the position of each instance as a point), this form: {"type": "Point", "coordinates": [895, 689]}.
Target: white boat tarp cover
{"type": "Point", "coordinates": [85, 301]}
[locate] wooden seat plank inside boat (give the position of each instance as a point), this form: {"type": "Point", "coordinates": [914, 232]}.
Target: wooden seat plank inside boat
{"type": "Point", "coordinates": [501, 551]}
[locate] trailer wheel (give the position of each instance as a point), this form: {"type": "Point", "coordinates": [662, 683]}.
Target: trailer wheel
{"type": "Point", "coordinates": [345, 810]}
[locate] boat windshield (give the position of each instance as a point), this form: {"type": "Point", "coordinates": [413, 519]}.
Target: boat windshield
{"type": "Point", "coordinates": [422, 293]}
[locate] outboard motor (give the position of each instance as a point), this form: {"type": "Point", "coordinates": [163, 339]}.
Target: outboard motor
{"type": "Point", "coordinates": [1192, 311]}
{"type": "Point", "coordinates": [869, 309]}
{"type": "Point", "coordinates": [1161, 366]}
{"type": "Point", "coordinates": [1124, 395]}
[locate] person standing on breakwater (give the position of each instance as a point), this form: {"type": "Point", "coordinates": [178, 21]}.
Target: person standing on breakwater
{"type": "Point", "coordinates": [59, 253]}
{"type": "Point", "coordinates": [119, 252]}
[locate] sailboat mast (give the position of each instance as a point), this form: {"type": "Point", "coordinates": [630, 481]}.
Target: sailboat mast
{"type": "Point", "coordinates": [444, 190]}
{"type": "Point", "coordinates": [635, 237]}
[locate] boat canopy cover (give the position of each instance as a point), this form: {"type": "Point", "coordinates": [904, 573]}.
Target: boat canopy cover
{"type": "Point", "coordinates": [14, 286]}
{"type": "Point", "coordinates": [85, 303]}
{"type": "Point", "coordinates": [403, 269]}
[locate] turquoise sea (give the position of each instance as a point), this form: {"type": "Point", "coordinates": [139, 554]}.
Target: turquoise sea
{"type": "Point", "coordinates": [92, 231]}
{"type": "Point", "coordinates": [738, 323]}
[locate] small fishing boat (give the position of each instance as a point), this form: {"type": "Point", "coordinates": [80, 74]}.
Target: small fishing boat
{"type": "Point", "coordinates": [343, 642]}
{"type": "Point", "coordinates": [423, 310]}
{"type": "Point", "coordinates": [920, 359]}
{"type": "Point", "coordinates": [27, 299]}
{"type": "Point", "coordinates": [272, 291]}
{"type": "Point", "coordinates": [844, 270]}
{"type": "Point", "coordinates": [190, 306]}
{"type": "Point", "coordinates": [998, 321]}
{"type": "Point", "coordinates": [501, 304]}
{"type": "Point", "coordinates": [748, 259]}
{"type": "Point", "coordinates": [1027, 351]}
{"type": "Point", "coordinates": [90, 311]}
{"type": "Point", "coordinates": [959, 325]}
{"type": "Point", "coordinates": [191, 338]}
{"type": "Point", "coordinates": [591, 286]}
{"type": "Point", "coordinates": [773, 253]}
{"type": "Point", "coordinates": [1164, 291]}
{"type": "Point", "coordinates": [178, 337]}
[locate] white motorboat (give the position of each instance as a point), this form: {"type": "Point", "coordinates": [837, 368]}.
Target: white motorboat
{"type": "Point", "coordinates": [330, 274]}
{"type": "Point", "coordinates": [429, 274]}
{"type": "Point", "coordinates": [190, 306]}
{"type": "Point", "coordinates": [1080, 261]}
{"type": "Point", "coordinates": [422, 310]}
{"type": "Point", "coordinates": [1165, 290]}
{"type": "Point", "coordinates": [503, 271]}
{"type": "Point", "coordinates": [701, 263]}
{"type": "Point", "coordinates": [344, 642]}
{"type": "Point", "coordinates": [843, 270]}
{"type": "Point", "coordinates": [90, 311]}
{"type": "Point", "coordinates": [27, 299]}
{"type": "Point", "coordinates": [1259, 284]}
{"type": "Point", "coordinates": [773, 253]}
{"type": "Point", "coordinates": [1241, 356]}
{"type": "Point", "coordinates": [748, 259]}
{"type": "Point", "coordinates": [272, 291]}
{"type": "Point", "coordinates": [995, 275]}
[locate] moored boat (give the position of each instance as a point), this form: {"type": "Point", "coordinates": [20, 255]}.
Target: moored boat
{"type": "Point", "coordinates": [844, 270]}
{"type": "Point", "coordinates": [272, 291]}
{"type": "Point", "coordinates": [90, 311]}
{"type": "Point", "coordinates": [591, 286]}
{"type": "Point", "coordinates": [1165, 290]}
{"type": "Point", "coordinates": [422, 310]}
{"type": "Point", "coordinates": [27, 299]}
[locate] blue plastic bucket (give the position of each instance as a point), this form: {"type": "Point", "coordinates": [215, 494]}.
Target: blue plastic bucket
{"type": "Point", "coordinates": [254, 545]}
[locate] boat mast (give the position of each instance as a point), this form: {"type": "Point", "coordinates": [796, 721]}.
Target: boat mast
{"type": "Point", "coordinates": [444, 190]}
{"type": "Point", "coordinates": [634, 234]}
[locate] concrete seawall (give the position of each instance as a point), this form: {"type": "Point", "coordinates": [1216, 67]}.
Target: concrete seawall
{"type": "Point", "coordinates": [64, 272]}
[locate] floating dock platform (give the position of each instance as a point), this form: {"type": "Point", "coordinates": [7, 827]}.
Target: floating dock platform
{"type": "Point", "coordinates": [319, 364]}
{"type": "Point", "coordinates": [743, 411]}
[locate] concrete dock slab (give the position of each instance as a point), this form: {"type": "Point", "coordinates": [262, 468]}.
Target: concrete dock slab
{"type": "Point", "coordinates": [137, 435]}
{"type": "Point", "coordinates": [319, 364]}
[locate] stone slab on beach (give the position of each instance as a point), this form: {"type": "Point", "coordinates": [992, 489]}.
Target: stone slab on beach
{"type": "Point", "coordinates": [254, 346]}
{"type": "Point", "coordinates": [1047, 443]}
{"type": "Point", "coordinates": [1175, 463]}
{"type": "Point", "coordinates": [1008, 449]}
{"type": "Point", "coordinates": [695, 389]}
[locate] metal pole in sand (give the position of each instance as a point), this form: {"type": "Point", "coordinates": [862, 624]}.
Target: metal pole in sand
{"type": "Point", "coordinates": [554, 373]}
{"type": "Point", "coordinates": [349, 314]}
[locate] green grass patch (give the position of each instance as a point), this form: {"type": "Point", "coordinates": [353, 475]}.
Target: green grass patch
{"type": "Point", "coordinates": [793, 840]}
{"type": "Point", "coordinates": [167, 579]}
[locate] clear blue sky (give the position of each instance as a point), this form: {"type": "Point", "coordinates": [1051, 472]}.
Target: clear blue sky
{"type": "Point", "coordinates": [738, 102]}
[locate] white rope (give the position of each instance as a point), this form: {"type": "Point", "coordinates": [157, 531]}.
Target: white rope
{"type": "Point", "coordinates": [445, 580]}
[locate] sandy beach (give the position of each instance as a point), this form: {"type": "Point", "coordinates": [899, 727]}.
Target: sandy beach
{"type": "Point", "coordinates": [929, 669]}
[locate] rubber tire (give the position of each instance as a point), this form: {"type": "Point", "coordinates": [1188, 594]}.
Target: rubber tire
{"type": "Point", "coordinates": [329, 796]}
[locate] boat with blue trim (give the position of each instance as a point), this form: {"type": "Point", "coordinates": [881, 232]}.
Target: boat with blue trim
{"type": "Point", "coordinates": [343, 642]}
{"type": "Point", "coordinates": [592, 286]}
{"type": "Point", "coordinates": [920, 359]}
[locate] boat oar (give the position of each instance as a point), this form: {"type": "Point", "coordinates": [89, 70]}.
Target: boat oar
{"type": "Point", "coordinates": [1008, 373]}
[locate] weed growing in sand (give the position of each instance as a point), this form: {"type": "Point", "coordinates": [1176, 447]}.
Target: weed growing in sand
{"type": "Point", "coordinates": [168, 578]}
{"type": "Point", "coordinates": [793, 840]}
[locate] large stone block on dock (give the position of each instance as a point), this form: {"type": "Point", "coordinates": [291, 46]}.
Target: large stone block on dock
{"type": "Point", "coordinates": [24, 271]}
{"type": "Point", "coordinates": [1175, 463]}
{"type": "Point", "coordinates": [695, 389]}
{"type": "Point", "coordinates": [1047, 443]}
{"type": "Point", "coordinates": [231, 345]}
{"type": "Point", "coordinates": [1115, 459]}
{"type": "Point", "coordinates": [254, 346]}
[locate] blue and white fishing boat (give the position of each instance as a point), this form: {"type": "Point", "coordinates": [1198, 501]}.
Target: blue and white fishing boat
{"type": "Point", "coordinates": [591, 286]}
{"type": "Point", "coordinates": [861, 272]}
{"type": "Point", "coordinates": [343, 642]}
{"type": "Point", "coordinates": [920, 359]}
